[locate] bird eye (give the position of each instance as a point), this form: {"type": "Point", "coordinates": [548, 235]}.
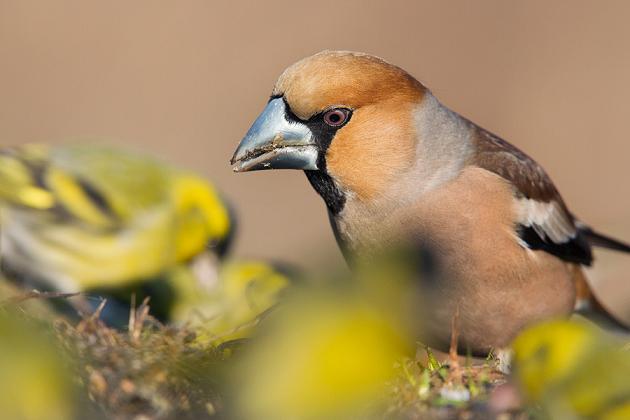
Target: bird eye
{"type": "Point", "coordinates": [336, 117]}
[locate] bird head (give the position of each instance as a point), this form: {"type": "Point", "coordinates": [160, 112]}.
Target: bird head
{"type": "Point", "coordinates": [345, 118]}
{"type": "Point", "coordinates": [202, 217]}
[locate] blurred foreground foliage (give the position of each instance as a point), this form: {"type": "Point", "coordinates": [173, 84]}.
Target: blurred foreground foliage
{"type": "Point", "coordinates": [326, 354]}
{"type": "Point", "coordinates": [51, 368]}
{"type": "Point", "coordinates": [572, 369]}
{"type": "Point", "coordinates": [33, 380]}
{"type": "Point", "coordinates": [150, 370]}
{"type": "Point", "coordinates": [329, 353]}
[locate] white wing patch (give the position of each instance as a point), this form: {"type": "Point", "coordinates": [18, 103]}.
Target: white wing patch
{"type": "Point", "coordinates": [548, 219]}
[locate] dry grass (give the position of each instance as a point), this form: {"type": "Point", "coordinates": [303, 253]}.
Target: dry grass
{"type": "Point", "coordinates": [153, 371]}
{"type": "Point", "coordinates": [150, 371]}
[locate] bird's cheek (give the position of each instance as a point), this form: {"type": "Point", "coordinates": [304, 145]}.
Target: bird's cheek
{"type": "Point", "coordinates": [368, 154]}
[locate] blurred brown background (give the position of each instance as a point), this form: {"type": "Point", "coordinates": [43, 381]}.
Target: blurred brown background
{"type": "Point", "coordinates": [184, 80]}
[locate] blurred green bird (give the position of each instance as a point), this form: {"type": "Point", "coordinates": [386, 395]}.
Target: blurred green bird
{"type": "Point", "coordinates": [573, 370]}
{"type": "Point", "coordinates": [81, 217]}
{"type": "Point", "coordinates": [227, 307]}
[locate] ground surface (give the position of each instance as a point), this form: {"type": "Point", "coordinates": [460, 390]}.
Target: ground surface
{"type": "Point", "coordinates": [152, 371]}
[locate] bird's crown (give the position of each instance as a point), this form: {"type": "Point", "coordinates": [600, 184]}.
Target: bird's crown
{"type": "Point", "coordinates": [343, 78]}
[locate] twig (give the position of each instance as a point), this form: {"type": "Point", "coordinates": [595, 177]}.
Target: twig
{"type": "Point", "coordinates": [36, 294]}
{"type": "Point", "coordinates": [137, 317]}
{"type": "Point", "coordinates": [454, 360]}
{"type": "Point", "coordinates": [97, 313]}
{"type": "Point", "coordinates": [132, 314]}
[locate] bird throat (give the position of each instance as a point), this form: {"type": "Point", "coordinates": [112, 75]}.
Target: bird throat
{"type": "Point", "coordinates": [334, 198]}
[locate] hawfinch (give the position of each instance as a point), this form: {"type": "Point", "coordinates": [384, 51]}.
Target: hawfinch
{"type": "Point", "coordinates": [390, 161]}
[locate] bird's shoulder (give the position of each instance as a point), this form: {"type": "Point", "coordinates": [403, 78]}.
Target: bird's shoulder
{"type": "Point", "coordinates": [543, 220]}
{"type": "Point", "coordinates": [506, 160]}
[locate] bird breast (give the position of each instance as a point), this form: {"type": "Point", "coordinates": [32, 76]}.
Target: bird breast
{"type": "Point", "coordinates": [496, 284]}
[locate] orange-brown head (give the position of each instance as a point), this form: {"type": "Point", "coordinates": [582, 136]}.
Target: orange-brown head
{"type": "Point", "coordinates": [345, 118]}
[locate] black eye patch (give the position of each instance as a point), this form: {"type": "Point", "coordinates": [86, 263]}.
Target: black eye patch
{"type": "Point", "coordinates": [323, 131]}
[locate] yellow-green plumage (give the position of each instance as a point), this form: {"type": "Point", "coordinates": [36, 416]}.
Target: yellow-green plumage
{"type": "Point", "coordinates": [573, 370]}
{"type": "Point", "coordinates": [229, 306]}
{"type": "Point", "coordinates": [85, 216]}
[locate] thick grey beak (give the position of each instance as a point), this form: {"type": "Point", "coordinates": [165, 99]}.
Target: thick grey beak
{"type": "Point", "coordinates": [273, 142]}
